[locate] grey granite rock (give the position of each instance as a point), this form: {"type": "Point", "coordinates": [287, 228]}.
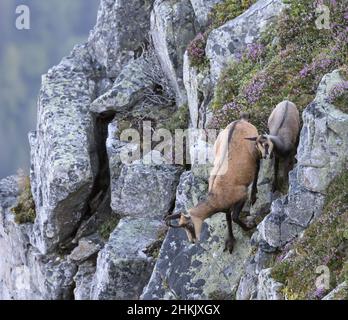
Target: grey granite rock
{"type": "Point", "coordinates": [124, 266]}
{"type": "Point", "coordinates": [172, 28]}
{"type": "Point", "coordinates": [322, 155]}
{"type": "Point", "coordinates": [83, 280]}
{"type": "Point", "coordinates": [121, 30]}
{"type": "Point", "coordinates": [225, 43]}
{"type": "Point", "coordinates": [202, 271]}
{"type": "Point", "coordinates": [202, 9]}
{"type": "Point", "coordinates": [62, 172]}
{"type": "Point", "coordinates": [268, 288]}
{"type": "Point", "coordinates": [339, 293]}
{"type": "Point", "coordinates": [199, 93]}
{"type": "Point", "coordinates": [126, 91]}
{"type": "Point", "coordinates": [145, 191]}
{"type": "Point", "coordinates": [86, 249]}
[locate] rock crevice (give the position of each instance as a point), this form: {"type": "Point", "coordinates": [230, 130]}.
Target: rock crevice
{"type": "Point", "coordinates": [99, 231]}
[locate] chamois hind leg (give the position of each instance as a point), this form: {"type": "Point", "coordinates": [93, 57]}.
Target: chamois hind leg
{"type": "Point", "coordinates": [276, 185]}
{"type": "Point", "coordinates": [236, 213]}
{"type": "Point", "coordinates": [253, 197]}
{"type": "Point", "coordinates": [230, 240]}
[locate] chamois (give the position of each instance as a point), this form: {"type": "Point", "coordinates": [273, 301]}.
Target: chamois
{"type": "Point", "coordinates": [235, 168]}
{"type": "Point", "coordinates": [284, 127]}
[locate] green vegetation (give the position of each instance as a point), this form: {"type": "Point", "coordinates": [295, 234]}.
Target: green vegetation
{"type": "Point", "coordinates": [221, 13]}
{"type": "Point", "coordinates": [228, 10]}
{"type": "Point", "coordinates": [196, 51]}
{"type": "Point", "coordinates": [341, 101]}
{"type": "Point", "coordinates": [108, 227]}
{"type": "Point", "coordinates": [288, 62]}
{"type": "Point", "coordinates": [325, 242]}
{"type": "Point", "coordinates": [221, 295]}
{"type": "Point", "coordinates": [24, 211]}
{"type": "Point", "coordinates": [338, 95]}
{"type": "Point", "coordinates": [179, 119]}
{"type": "Point", "coordinates": [154, 249]}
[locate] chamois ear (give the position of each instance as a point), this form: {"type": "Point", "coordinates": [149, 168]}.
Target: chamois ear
{"type": "Point", "coordinates": [245, 116]}
{"type": "Point", "coordinates": [251, 139]}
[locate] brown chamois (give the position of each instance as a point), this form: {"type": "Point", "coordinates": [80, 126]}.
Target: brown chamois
{"type": "Point", "coordinates": [284, 127]}
{"type": "Point", "coordinates": [235, 168]}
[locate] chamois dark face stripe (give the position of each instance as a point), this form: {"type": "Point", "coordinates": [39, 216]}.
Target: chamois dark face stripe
{"type": "Point", "coordinates": [285, 113]}
{"type": "Point", "coordinates": [230, 135]}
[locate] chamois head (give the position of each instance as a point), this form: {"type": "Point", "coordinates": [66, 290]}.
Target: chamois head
{"type": "Point", "coordinates": [184, 222]}
{"type": "Point", "coordinates": [264, 145]}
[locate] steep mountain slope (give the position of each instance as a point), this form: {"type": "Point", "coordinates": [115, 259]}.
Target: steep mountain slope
{"type": "Point", "coordinates": [98, 231]}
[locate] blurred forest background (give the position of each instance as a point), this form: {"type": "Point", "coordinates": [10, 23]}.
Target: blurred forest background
{"type": "Point", "coordinates": [55, 27]}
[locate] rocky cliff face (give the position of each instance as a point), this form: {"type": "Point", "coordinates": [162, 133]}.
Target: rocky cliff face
{"type": "Point", "coordinates": [99, 231]}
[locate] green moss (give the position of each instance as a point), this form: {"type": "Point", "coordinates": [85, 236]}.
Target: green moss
{"type": "Point", "coordinates": [289, 68]}
{"type": "Point", "coordinates": [344, 272]}
{"type": "Point", "coordinates": [165, 284]}
{"type": "Point", "coordinates": [24, 211]}
{"type": "Point", "coordinates": [281, 272]}
{"type": "Point", "coordinates": [325, 242]}
{"type": "Point", "coordinates": [154, 249]}
{"type": "Point", "coordinates": [221, 295]}
{"type": "Point", "coordinates": [179, 120]}
{"type": "Point", "coordinates": [108, 227]}
{"type": "Point", "coordinates": [341, 102]}
{"type": "Point", "coordinates": [228, 10]}
{"type": "Point", "coordinates": [339, 94]}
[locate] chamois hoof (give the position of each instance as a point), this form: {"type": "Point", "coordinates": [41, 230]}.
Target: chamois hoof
{"type": "Point", "coordinates": [248, 228]}
{"type": "Point", "coordinates": [229, 245]}
{"type": "Point", "coordinates": [193, 241]}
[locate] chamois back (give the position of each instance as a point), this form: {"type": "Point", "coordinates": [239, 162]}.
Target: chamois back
{"type": "Point", "coordinates": [234, 164]}
{"type": "Point", "coordinates": [284, 122]}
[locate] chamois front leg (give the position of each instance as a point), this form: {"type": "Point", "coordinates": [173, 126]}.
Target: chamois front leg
{"type": "Point", "coordinates": [253, 197]}
{"type": "Point", "coordinates": [230, 240]}
{"type": "Point", "coordinates": [276, 184]}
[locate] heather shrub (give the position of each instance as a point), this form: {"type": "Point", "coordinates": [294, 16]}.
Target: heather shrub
{"type": "Point", "coordinates": [324, 243]}
{"type": "Point", "coordinates": [196, 51]}
{"type": "Point", "coordinates": [291, 67]}
{"type": "Point", "coordinates": [338, 95]}
{"type": "Point", "coordinates": [108, 227]}
{"type": "Point", "coordinates": [228, 10]}
{"type": "Point", "coordinates": [221, 13]}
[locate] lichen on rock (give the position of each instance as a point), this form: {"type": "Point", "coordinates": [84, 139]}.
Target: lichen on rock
{"type": "Point", "coordinates": [98, 230]}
